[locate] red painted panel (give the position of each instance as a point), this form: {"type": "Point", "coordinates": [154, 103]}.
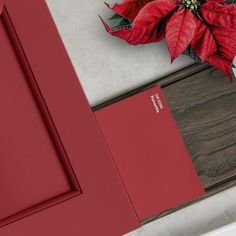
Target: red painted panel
{"type": "Point", "coordinates": [58, 142]}
{"type": "Point", "coordinates": [30, 170]}
{"type": "Point", "coordinates": [150, 153]}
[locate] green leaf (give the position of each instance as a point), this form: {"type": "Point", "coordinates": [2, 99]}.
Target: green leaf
{"type": "Point", "coordinates": [115, 17]}
{"type": "Point", "coordinates": [229, 2]}
{"type": "Point", "coordinates": [120, 22]}
{"type": "Point", "coordinates": [192, 54]}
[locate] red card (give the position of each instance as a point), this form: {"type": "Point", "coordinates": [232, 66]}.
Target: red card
{"type": "Point", "coordinates": [149, 153]}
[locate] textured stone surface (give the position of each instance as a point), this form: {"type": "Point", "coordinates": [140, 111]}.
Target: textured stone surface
{"type": "Point", "coordinates": [107, 66]}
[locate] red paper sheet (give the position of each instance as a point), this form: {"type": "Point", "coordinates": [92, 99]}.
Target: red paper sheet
{"type": "Point", "coordinates": [149, 153]}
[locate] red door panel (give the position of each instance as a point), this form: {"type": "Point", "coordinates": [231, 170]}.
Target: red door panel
{"type": "Point", "coordinates": [30, 169]}
{"type": "Point", "coordinates": [56, 174]}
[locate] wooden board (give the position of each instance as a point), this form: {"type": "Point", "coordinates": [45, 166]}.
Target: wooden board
{"type": "Point", "coordinates": [203, 102]}
{"type": "Point", "coordinates": [205, 111]}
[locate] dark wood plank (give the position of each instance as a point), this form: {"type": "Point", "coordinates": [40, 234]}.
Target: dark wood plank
{"type": "Point", "coordinates": [203, 103]}
{"type": "Point", "coordinates": [204, 106]}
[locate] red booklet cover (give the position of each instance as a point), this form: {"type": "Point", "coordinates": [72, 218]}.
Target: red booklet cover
{"type": "Point", "coordinates": [149, 153]}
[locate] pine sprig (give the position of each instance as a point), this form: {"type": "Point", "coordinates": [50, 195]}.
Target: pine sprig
{"type": "Point", "coordinates": [115, 17]}
{"type": "Point", "coordinates": [120, 22]}
{"type": "Point", "coordinates": [192, 54]}
{"type": "Point", "coordinates": [229, 2]}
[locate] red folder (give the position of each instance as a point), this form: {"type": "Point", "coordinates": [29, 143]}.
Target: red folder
{"type": "Point", "coordinates": [149, 153]}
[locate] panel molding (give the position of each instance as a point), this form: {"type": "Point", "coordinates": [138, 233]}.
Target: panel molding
{"type": "Point", "coordinates": [52, 131]}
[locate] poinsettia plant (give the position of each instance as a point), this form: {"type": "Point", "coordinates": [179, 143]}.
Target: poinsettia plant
{"type": "Point", "coordinates": [205, 30]}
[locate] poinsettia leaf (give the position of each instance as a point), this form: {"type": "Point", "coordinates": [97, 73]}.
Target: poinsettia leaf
{"type": "Point", "coordinates": [129, 8]}
{"type": "Point", "coordinates": [147, 26]}
{"type": "Point", "coordinates": [179, 32]}
{"type": "Point", "coordinates": [221, 63]}
{"type": "Point", "coordinates": [219, 15]}
{"type": "Point", "coordinates": [223, 2]}
{"type": "Point", "coordinates": [203, 41]}
{"type": "Point", "coordinates": [226, 41]}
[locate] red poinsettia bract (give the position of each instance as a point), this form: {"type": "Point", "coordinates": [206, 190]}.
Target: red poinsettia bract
{"type": "Point", "coordinates": [209, 27]}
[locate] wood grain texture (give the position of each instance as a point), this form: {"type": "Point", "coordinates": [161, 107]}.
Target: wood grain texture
{"type": "Point", "coordinates": [203, 103]}
{"type": "Point", "coordinates": [204, 106]}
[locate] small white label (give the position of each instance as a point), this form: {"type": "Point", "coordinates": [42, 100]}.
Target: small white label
{"type": "Point", "coordinates": [157, 103]}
